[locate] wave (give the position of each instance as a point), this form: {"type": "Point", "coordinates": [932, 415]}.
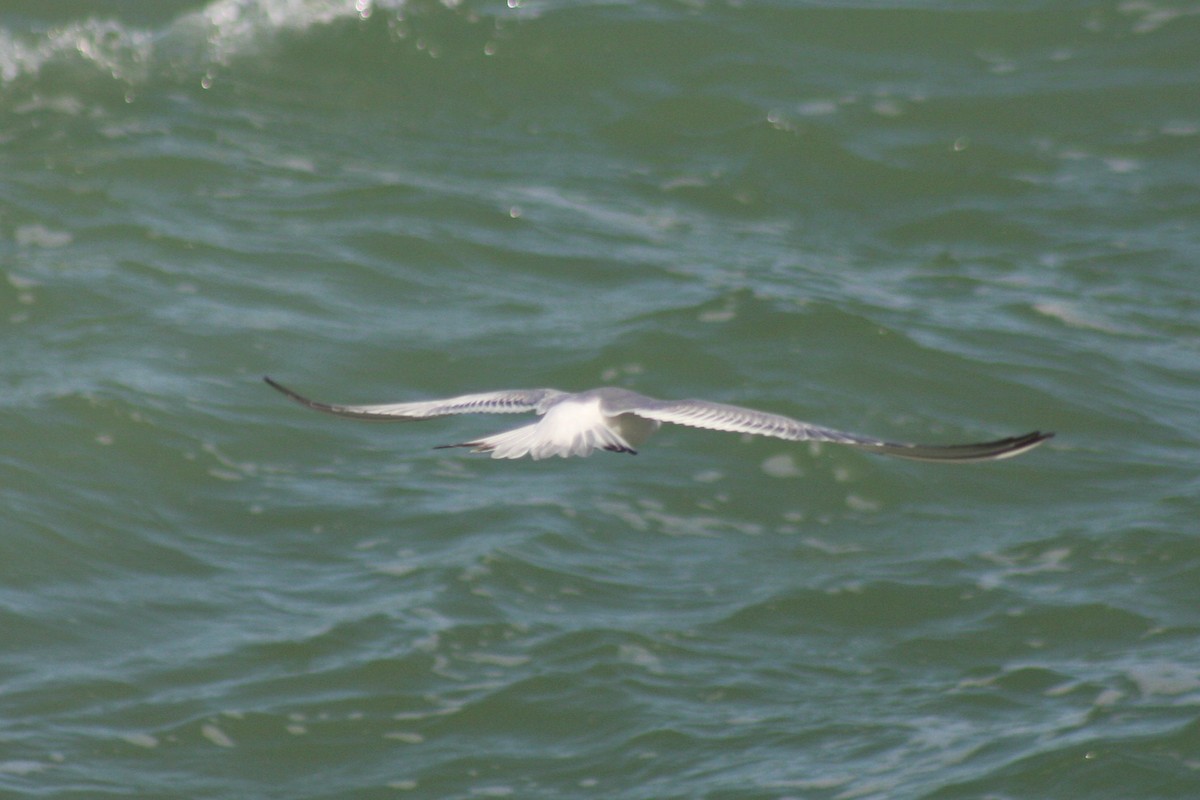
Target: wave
{"type": "Point", "coordinates": [195, 44]}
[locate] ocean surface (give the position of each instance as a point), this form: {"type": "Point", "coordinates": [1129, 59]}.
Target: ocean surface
{"type": "Point", "coordinates": [932, 221]}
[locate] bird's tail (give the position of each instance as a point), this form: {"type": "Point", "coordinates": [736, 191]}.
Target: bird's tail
{"type": "Point", "coordinates": [537, 443]}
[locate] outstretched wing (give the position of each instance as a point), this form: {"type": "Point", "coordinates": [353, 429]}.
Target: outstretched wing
{"type": "Point", "coordinates": [512, 401]}
{"type": "Point", "coordinates": [735, 419]}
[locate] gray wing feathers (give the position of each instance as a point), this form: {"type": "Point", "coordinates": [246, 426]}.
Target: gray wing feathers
{"type": "Point", "coordinates": [512, 401]}
{"type": "Point", "coordinates": [735, 419]}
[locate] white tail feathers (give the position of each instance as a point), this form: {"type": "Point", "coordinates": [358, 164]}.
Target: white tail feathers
{"type": "Point", "coordinates": [533, 441]}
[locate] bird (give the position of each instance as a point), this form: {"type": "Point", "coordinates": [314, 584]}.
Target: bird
{"type": "Point", "coordinates": [620, 420]}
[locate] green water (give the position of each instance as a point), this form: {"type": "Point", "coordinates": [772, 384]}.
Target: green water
{"type": "Point", "coordinates": [927, 221]}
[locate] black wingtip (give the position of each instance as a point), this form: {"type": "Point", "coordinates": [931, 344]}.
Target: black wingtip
{"type": "Point", "coordinates": [299, 398]}
{"type": "Point", "coordinates": [964, 453]}
{"type": "Point", "coordinates": [1034, 438]}
{"type": "Point", "coordinates": [279, 387]}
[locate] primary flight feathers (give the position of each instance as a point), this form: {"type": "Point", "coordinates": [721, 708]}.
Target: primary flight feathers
{"type": "Point", "coordinates": [618, 420]}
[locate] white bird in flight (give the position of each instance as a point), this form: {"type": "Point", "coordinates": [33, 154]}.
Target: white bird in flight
{"type": "Point", "coordinates": [575, 424]}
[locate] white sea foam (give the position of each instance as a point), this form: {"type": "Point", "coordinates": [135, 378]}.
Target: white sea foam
{"type": "Point", "coordinates": [197, 44]}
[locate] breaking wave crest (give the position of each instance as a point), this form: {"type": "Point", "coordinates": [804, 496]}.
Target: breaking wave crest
{"type": "Point", "coordinates": [195, 45]}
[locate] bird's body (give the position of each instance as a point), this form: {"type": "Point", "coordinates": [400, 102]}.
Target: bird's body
{"type": "Point", "coordinates": [618, 420]}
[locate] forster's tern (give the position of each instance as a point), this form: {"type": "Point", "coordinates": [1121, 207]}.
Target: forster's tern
{"type": "Point", "coordinates": [575, 424]}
